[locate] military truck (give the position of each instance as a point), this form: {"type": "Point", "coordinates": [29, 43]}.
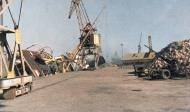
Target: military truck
{"type": "Point", "coordinates": [140, 60]}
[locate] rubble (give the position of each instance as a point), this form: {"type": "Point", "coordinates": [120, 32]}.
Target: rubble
{"type": "Point", "coordinates": [40, 62]}
{"type": "Point", "coordinates": [175, 57]}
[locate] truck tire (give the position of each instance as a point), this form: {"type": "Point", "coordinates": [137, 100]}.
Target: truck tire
{"type": "Point", "coordinates": [29, 86]}
{"type": "Point", "coordinates": [140, 75]}
{"type": "Point", "coordinates": [9, 93]}
{"type": "Point", "coordinates": [153, 75]}
{"type": "Point", "coordinates": [166, 74]}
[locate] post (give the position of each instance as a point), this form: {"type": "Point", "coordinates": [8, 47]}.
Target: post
{"type": "Point", "coordinates": [150, 43]}
{"type": "Point", "coordinates": [1, 8]}
{"type": "Point", "coordinates": [121, 50]}
{"type": "Point", "coordinates": [1, 23]}
{"type": "Point", "coordinates": [121, 54]}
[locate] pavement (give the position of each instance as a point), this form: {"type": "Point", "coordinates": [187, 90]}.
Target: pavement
{"type": "Point", "coordinates": [105, 90]}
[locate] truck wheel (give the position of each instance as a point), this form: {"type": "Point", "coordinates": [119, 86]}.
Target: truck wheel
{"type": "Point", "coordinates": [29, 86]}
{"type": "Point", "coordinates": [166, 74]}
{"type": "Point", "coordinates": [9, 93]}
{"type": "Point", "coordinates": [140, 74]}
{"type": "Point", "coordinates": [153, 75]}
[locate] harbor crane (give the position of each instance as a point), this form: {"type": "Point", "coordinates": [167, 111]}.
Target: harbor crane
{"type": "Point", "coordinates": [14, 80]}
{"type": "Point", "coordinates": [88, 51]}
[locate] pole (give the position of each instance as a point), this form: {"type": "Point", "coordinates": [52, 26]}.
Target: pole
{"type": "Point", "coordinates": [121, 50]}
{"type": "Point", "coordinates": [1, 23]}
{"type": "Point", "coordinates": [1, 8]}
{"type": "Point", "coordinates": [150, 43]}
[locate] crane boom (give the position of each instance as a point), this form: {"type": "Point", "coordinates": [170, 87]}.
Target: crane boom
{"type": "Point", "coordinates": [82, 16]}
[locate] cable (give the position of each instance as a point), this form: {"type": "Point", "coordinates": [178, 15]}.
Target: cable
{"type": "Point", "coordinates": [16, 25]}
{"type": "Point", "coordinates": [20, 12]}
{"type": "Point", "coordinates": [11, 14]}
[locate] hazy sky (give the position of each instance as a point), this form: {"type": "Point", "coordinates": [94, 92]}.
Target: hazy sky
{"type": "Point", "coordinates": [46, 22]}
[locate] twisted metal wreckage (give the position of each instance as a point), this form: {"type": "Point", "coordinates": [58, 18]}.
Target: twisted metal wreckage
{"type": "Point", "coordinates": [40, 61]}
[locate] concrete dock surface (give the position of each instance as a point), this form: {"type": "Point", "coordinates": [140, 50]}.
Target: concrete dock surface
{"type": "Point", "coordinates": [105, 90]}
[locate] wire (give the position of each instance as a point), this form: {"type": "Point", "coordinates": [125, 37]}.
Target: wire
{"type": "Point", "coordinates": [20, 12]}
{"type": "Point", "coordinates": [11, 14]}
{"type": "Point", "coordinates": [85, 12]}
{"type": "Point", "coordinates": [99, 15]}
{"type": "Point", "coordinates": [16, 25]}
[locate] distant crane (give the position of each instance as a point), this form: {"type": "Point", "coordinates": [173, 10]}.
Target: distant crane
{"type": "Point", "coordinates": [89, 39]}
{"type": "Point", "coordinates": [86, 28]}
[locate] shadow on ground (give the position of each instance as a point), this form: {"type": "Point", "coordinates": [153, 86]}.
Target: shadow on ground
{"type": "Point", "coordinates": [1, 107]}
{"type": "Point", "coordinates": [158, 78]}
{"type": "Point", "coordinates": [1, 98]}
{"type": "Point", "coordinates": [53, 84]}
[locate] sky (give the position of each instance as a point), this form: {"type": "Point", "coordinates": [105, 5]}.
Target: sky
{"type": "Point", "coordinates": [46, 22]}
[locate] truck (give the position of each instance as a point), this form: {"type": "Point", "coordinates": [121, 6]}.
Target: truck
{"type": "Point", "coordinates": [140, 60]}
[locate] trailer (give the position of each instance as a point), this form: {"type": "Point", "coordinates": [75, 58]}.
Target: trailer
{"type": "Point", "coordinates": [16, 86]}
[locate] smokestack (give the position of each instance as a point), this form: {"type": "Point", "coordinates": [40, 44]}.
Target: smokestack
{"type": "Point", "coordinates": [150, 43]}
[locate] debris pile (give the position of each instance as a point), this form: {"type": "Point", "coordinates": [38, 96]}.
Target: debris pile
{"type": "Point", "coordinates": [175, 57]}
{"type": "Point", "coordinates": [40, 62]}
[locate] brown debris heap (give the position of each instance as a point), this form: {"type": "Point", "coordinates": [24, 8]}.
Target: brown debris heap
{"type": "Point", "coordinates": [175, 55]}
